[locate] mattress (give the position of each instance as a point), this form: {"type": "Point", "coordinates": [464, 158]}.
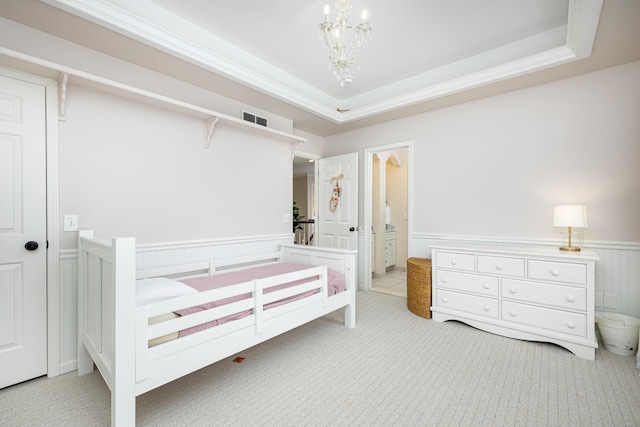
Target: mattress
{"type": "Point", "coordinates": [335, 281]}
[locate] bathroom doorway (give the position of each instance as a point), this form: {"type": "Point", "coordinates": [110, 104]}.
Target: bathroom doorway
{"type": "Point", "coordinates": [387, 217]}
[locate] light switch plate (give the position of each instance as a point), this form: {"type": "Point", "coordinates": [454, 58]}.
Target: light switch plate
{"type": "Point", "coordinates": [71, 223]}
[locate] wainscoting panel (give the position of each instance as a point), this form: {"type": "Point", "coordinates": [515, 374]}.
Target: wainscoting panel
{"type": "Point", "coordinates": [68, 310]}
{"type": "Point", "coordinates": [617, 272]}
{"type": "Point", "coordinates": [617, 286]}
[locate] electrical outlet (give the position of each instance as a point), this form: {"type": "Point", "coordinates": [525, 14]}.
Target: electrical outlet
{"type": "Point", "coordinates": [71, 223]}
{"type": "Point", "coordinates": [287, 217]}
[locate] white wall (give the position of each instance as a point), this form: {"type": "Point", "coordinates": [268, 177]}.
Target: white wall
{"type": "Point", "coordinates": [492, 170]}
{"type": "Point", "coordinates": [128, 169]}
{"type": "Point", "coordinates": [314, 144]}
{"type": "Point", "coordinates": [497, 166]}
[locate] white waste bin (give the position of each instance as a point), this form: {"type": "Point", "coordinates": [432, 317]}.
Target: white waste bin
{"type": "Point", "coordinates": [619, 333]}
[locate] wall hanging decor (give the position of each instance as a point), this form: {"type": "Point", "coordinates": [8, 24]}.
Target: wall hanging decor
{"type": "Point", "coordinates": [335, 194]}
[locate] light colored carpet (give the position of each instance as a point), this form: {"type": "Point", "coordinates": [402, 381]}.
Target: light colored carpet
{"type": "Point", "coordinates": [393, 369]}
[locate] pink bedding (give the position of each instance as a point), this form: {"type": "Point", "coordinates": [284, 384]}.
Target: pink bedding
{"type": "Point", "coordinates": [336, 284]}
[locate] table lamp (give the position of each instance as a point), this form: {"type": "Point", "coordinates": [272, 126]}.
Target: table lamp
{"type": "Point", "coordinates": [570, 216]}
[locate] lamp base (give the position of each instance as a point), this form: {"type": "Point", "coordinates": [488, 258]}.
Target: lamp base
{"type": "Point", "coordinates": [570, 248]}
{"type": "Point", "coordinates": [570, 241]}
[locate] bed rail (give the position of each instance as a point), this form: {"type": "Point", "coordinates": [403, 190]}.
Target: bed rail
{"type": "Point", "coordinates": [113, 333]}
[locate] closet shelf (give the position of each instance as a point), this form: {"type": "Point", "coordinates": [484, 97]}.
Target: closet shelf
{"type": "Point", "coordinates": [234, 122]}
{"type": "Point", "coordinates": [211, 118]}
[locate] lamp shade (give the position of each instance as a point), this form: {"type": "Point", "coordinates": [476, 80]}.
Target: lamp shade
{"type": "Point", "coordinates": [570, 216]}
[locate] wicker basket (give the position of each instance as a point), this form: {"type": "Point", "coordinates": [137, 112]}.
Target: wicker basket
{"type": "Point", "coordinates": [419, 286]}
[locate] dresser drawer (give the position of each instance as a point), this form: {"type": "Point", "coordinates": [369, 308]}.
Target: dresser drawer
{"type": "Point", "coordinates": [455, 261]}
{"type": "Point", "coordinates": [554, 320]}
{"type": "Point", "coordinates": [568, 297]}
{"type": "Point", "coordinates": [563, 272]}
{"type": "Point", "coordinates": [486, 285]}
{"type": "Point", "coordinates": [468, 303]}
{"type": "Point", "coordinates": [501, 265]}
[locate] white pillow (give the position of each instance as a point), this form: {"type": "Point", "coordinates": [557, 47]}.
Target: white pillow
{"type": "Point", "coordinates": [159, 288]}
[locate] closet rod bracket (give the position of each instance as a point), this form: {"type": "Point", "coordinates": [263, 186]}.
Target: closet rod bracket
{"type": "Point", "coordinates": [210, 126]}
{"type": "Point", "coordinates": [62, 96]}
{"type": "Point", "coordinates": [294, 149]}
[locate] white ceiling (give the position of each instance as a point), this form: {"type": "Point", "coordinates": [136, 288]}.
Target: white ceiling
{"type": "Point", "coordinates": [425, 54]}
{"type": "Point", "coordinates": [412, 38]}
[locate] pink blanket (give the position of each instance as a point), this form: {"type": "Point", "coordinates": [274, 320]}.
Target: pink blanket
{"type": "Point", "coordinates": [336, 284]}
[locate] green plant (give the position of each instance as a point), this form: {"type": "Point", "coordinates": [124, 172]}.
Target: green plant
{"type": "Point", "coordinates": [296, 218]}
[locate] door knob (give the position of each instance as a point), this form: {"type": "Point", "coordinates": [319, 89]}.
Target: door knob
{"type": "Point", "coordinates": [352, 229]}
{"type": "Point", "coordinates": [31, 246]}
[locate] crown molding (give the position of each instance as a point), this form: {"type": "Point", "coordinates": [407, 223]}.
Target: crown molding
{"type": "Point", "coordinates": [134, 19]}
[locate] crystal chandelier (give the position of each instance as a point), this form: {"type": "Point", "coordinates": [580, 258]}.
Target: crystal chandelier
{"type": "Point", "coordinates": [343, 39]}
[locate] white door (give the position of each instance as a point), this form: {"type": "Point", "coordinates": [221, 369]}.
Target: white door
{"type": "Point", "coordinates": [23, 286]}
{"type": "Point", "coordinates": [338, 202]}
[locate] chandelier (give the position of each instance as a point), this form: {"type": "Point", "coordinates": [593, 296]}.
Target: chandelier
{"type": "Point", "coordinates": [343, 39]}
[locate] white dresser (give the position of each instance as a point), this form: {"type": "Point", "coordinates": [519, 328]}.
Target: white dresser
{"type": "Point", "coordinates": [530, 293]}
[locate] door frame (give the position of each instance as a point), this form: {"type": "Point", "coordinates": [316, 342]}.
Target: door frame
{"type": "Point", "coordinates": [53, 242]}
{"type": "Point", "coordinates": [368, 200]}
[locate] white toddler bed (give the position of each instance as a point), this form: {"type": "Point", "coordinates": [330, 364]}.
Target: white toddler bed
{"type": "Point", "coordinates": [114, 333]}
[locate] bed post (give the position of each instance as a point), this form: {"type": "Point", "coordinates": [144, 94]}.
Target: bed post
{"type": "Point", "coordinates": [123, 394]}
{"type": "Point", "coordinates": [84, 361]}
{"type": "Point", "coordinates": [350, 275]}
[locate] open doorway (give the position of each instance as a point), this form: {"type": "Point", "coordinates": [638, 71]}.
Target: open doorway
{"type": "Point", "coordinates": [387, 217]}
{"type": "Point", "coordinates": [304, 198]}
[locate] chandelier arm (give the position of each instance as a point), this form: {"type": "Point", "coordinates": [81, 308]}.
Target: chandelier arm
{"type": "Point", "coordinates": [343, 39]}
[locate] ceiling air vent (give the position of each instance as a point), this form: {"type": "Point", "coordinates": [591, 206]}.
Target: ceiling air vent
{"type": "Point", "coordinates": [250, 117]}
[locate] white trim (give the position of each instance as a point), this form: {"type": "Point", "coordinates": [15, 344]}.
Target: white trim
{"type": "Point", "coordinates": [142, 95]}
{"type": "Point", "coordinates": [368, 197]}
{"type": "Point", "coordinates": [592, 244]}
{"type": "Point", "coordinates": [52, 259]}
{"type": "Point", "coordinates": [187, 244]}
{"type": "Point", "coordinates": [191, 244]}
{"type": "Point", "coordinates": [143, 21]}
{"type": "Point", "coordinates": [53, 233]}
{"type": "Point", "coordinates": [307, 155]}
{"type": "Point", "coordinates": [583, 25]}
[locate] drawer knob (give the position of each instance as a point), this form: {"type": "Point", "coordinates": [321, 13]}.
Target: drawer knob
{"type": "Point", "coordinates": [571, 298]}
{"type": "Point", "coordinates": [513, 313]}
{"type": "Point", "coordinates": [499, 267]}
{"type": "Point", "coordinates": [571, 325]}
{"type": "Point", "coordinates": [486, 308]}
{"type": "Point", "coordinates": [512, 289]}
{"type": "Point", "coordinates": [453, 262]}
{"type": "Point", "coordinates": [443, 280]}
{"type": "Point", "coordinates": [555, 272]}
{"type": "Point", "coordinates": [445, 300]}
{"type": "Point", "coordinates": [486, 286]}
